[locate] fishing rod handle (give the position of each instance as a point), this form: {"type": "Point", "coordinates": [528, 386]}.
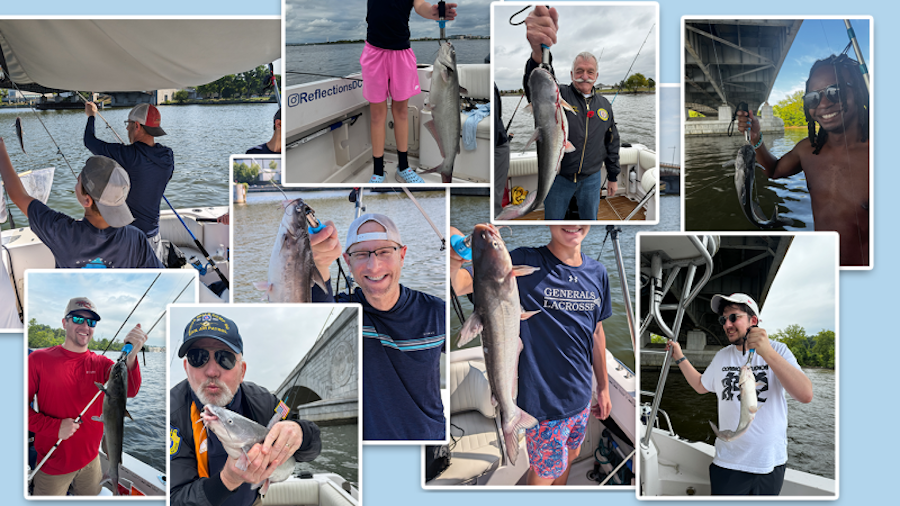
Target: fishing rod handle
{"type": "Point", "coordinates": [458, 243]}
{"type": "Point", "coordinates": [315, 230]}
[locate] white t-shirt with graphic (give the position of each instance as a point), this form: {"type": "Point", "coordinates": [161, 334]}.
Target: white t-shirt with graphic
{"type": "Point", "coordinates": [764, 445]}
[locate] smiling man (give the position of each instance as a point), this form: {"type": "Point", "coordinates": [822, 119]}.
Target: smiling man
{"type": "Point", "coordinates": [62, 379]}
{"type": "Point", "coordinates": [834, 157]}
{"type": "Point", "coordinates": [202, 473]}
{"type": "Point", "coordinates": [753, 463]}
{"type": "Point", "coordinates": [564, 347]}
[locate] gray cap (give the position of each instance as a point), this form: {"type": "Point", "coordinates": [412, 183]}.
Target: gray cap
{"type": "Point", "coordinates": [390, 234]}
{"type": "Point", "coordinates": [108, 184]}
{"type": "Point", "coordinates": [82, 304]}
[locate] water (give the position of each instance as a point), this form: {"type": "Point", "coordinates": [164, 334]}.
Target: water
{"type": "Point", "coordinates": [202, 137]}
{"type": "Point", "coordinates": [145, 437]}
{"type": "Point", "coordinates": [711, 201]}
{"type": "Point", "coordinates": [256, 224]}
{"type": "Point", "coordinates": [635, 117]}
{"type": "Point", "coordinates": [466, 212]}
{"type": "Point", "coordinates": [340, 453]}
{"type": "Point", "coordinates": [811, 427]}
{"type": "Point", "coordinates": [343, 59]}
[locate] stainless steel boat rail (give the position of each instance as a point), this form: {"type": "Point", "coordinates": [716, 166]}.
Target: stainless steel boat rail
{"type": "Point", "coordinates": [623, 281]}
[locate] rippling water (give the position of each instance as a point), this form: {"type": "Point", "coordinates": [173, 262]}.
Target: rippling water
{"type": "Point", "coordinates": [340, 453]}
{"type": "Point", "coordinates": [145, 437]}
{"type": "Point", "coordinates": [711, 201]}
{"type": "Point", "coordinates": [811, 427]}
{"type": "Point", "coordinates": [201, 136]}
{"type": "Point", "coordinates": [343, 59]}
{"type": "Point", "coordinates": [256, 224]}
{"type": "Point", "coordinates": [466, 212]}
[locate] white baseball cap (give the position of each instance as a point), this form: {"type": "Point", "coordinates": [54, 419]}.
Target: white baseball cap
{"type": "Point", "coordinates": [390, 234]}
{"type": "Point", "coordinates": [108, 184]}
{"type": "Point", "coordinates": [719, 301]}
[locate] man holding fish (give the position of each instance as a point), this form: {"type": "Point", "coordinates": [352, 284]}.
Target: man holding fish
{"type": "Point", "coordinates": [63, 379]}
{"type": "Point", "coordinates": [564, 296]}
{"type": "Point", "coordinates": [223, 469]}
{"type": "Point", "coordinates": [751, 459]}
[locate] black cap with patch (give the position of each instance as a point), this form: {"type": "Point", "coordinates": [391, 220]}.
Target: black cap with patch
{"type": "Point", "coordinates": [213, 326]}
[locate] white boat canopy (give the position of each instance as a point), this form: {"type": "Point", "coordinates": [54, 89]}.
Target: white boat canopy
{"type": "Point", "coordinates": [135, 54]}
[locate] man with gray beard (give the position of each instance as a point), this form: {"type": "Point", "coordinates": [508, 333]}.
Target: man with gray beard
{"type": "Point", "coordinates": [201, 471]}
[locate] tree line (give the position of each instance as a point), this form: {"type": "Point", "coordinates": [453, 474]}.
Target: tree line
{"type": "Point", "coordinates": [244, 173]}
{"type": "Point", "coordinates": [245, 84]}
{"type": "Point", "coordinates": [43, 336]}
{"type": "Point", "coordinates": [810, 351]}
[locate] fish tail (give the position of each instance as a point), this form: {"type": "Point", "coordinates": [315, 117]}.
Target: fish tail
{"type": "Point", "coordinates": [512, 212]}
{"type": "Point", "coordinates": [511, 429]}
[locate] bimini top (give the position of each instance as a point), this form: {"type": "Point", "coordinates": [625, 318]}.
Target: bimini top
{"type": "Point", "coordinates": [134, 54]}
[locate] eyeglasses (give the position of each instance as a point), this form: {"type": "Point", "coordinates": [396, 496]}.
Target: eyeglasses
{"type": "Point", "coordinates": [197, 357]}
{"type": "Point", "coordinates": [813, 98]}
{"type": "Point", "coordinates": [381, 254]}
{"type": "Point", "coordinates": [732, 318]}
{"type": "Point", "coordinates": [78, 320]}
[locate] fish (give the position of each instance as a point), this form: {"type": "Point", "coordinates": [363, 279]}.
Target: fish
{"type": "Point", "coordinates": [744, 171]}
{"type": "Point", "coordinates": [114, 413]}
{"type": "Point", "coordinates": [19, 133]}
{"type": "Point", "coordinates": [748, 385]}
{"type": "Point", "coordinates": [443, 102]}
{"type": "Point", "coordinates": [496, 317]}
{"type": "Point", "coordinates": [551, 132]}
{"type": "Point", "coordinates": [292, 271]}
{"type": "Point", "coordinates": [238, 434]}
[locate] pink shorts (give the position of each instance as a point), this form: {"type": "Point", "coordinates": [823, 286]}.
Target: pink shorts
{"type": "Point", "coordinates": [549, 443]}
{"type": "Point", "coordinates": [388, 72]}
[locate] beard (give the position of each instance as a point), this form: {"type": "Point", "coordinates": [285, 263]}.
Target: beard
{"type": "Point", "coordinates": [221, 399]}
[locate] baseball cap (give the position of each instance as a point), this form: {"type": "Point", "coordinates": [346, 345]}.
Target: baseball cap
{"type": "Point", "coordinates": [390, 234]}
{"type": "Point", "coordinates": [148, 116]}
{"type": "Point", "coordinates": [82, 304]}
{"type": "Point", "coordinates": [277, 117]}
{"type": "Point", "coordinates": [720, 301]}
{"type": "Point", "coordinates": [213, 326]}
{"type": "Point", "coordinates": [108, 184]}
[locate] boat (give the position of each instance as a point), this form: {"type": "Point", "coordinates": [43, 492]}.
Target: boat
{"type": "Point", "coordinates": [322, 489]}
{"type": "Point", "coordinates": [328, 135]}
{"type": "Point", "coordinates": [671, 465]}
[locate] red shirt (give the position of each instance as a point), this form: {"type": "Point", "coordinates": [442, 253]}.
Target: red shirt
{"type": "Point", "coordinates": [64, 384]}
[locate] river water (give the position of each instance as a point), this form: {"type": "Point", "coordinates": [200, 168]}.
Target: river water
{"type": "Point", "coordinates": [256, 225]}
{"type": "Point", "coordinates": [711, 201]}
{"type": "Point", "coordinates": [145, 437]}
{"type": "Point", "coordinates": [340, 453]}
{"type": "Point", "coordinates": [343, 59]}
{"type": "Point", "coordinates": [811, 429]}
{"type": "Point", "coordinates": [201, 136]}
{"type": "Point", "coordinates": [466, 212]}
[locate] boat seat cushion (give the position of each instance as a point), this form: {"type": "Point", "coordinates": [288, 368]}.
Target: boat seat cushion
{"type": "Point", "coordinates": [469, 388]}
{"type": "Point", "coordinates": [483, 131]}
{"type": "Point", "coordinates": [476, 79]}
{"type": "Point", "coordinates": [172, 229]}
{"type": "Point", "coordinates": [520, 166]}
{"type": "Point", "coordinates": [477, 452]}
{"type": "Point", "coordinates": [292, 492]}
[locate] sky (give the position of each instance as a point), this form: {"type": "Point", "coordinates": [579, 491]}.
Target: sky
{"type": "Point", "coordinates": [276, 336]}
{"type": "Point", "coordinates": [317, 21]}
{"type": "Point", "coordinates": [669, 123]}
{"type": "Point", "coordinates": [816, 39]}
{"type": "Point", "coordinates": [115, 293]}
{"type": "Point", "coordinates": [612, 33]}
{"type": "Point", "coordinates": [804, 291]}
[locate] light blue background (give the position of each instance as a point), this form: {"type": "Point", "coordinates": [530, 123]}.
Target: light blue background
{"type": "Point", "coordinates": [867, 360]}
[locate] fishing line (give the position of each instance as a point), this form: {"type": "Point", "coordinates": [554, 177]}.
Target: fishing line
{"type": "Point", "coordinates": [101, 117]}
{"type": "Point", "coordinates": [708, 185]}
{"type": "Point", "coordinates": [131, 313]}
{"type": "Point", "coordinates": [38, 116]}
{"type": "Point", "coordinates": [635, 59]}
{"type": "Point", "coordinates": [438, 232]}
{"type": "Point", "coordinates": [718, 67]}
{"type": "Point", "coordinates": [514, 113]}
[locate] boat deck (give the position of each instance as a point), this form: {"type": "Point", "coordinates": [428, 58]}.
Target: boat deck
{"type": "Point", "coordinates": [614, 209]}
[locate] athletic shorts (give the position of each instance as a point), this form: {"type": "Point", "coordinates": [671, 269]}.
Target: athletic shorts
{"type": "Point", "coordinates": [388, 72]}
{"type": "Point", "coordinates": [549, 443]}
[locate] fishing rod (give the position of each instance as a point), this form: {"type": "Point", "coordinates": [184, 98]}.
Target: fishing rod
{"type": "Point", "coordinates": [859, 55]}
{"type": "Point", "coordinates": [101, 117]}
{"type": "Point", "coordinates": [325, 130]}
{"type": "Point", "coordinates": [416, 202]}
{"type": "Point", "coordinates": [203, 251]}
{"type": "Point", "coordinates": [275, 83]}
{"type": "Point", "coordinates": [632, 63]}
{"type": "Point", "coordinates": [125, 350]}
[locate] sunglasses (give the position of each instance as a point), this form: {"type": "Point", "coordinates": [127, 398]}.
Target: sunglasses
{"type": "Point", "coordinates": [197, 357]}
{"type": "Point", "coordinates": [812, 99]}
{"type": "Point", "coordinates": [730, 318]}
{"type": "Point", "coordinates": [78, 320]}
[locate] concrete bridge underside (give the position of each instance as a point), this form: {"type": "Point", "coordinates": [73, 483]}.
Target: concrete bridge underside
{"type": "Point", "coordinates": [732, 61]}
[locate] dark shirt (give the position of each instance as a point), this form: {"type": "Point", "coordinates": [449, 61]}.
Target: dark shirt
{"type": "Point", "coordinates": [262, 149]}
{"type": "Point", "coordinates": [388, 22]}
{"type": "Point", "coordinates": [148, 167]}
{"type": "Point", "coordinates": [500, 137]}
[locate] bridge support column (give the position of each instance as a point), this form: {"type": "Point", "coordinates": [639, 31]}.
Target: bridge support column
{"type": "Point", "coordinates": [696, 340]}
{"type": "Point", "coordinates": [725, 112]}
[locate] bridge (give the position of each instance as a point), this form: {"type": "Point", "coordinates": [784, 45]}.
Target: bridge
{"type": "Point", "coordinates": [670, 174]}
{"type": "Point", "coordinates": [745, 264]}
{"type": "Point", "coordinates": [324, 385]}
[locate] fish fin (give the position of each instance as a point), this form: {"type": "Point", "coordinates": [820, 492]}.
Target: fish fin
{"type": "Point", "coordinates": [511, 430]}
{"type": "Point", "coordinates": [524, 270]}
{"type": "Point", "coordinates": [528, 314]}
{"type": "Point", "coordinates": [569, 147]}
{"type": "Point", "coordinates": [494, 401]}
{"type": "Point", "coordinates": [265, 487]}
{"type": "Point", "coordinates": [716, 431]}
{"type": "Point", "coordinates": [243, 462]}
{"type": "Point", "coordinates": [760, 384]}
{"type": "Point", "coordinates": [565, 105]}
{"type": "Point", "coordinates": [729, 163]}
{"type": "Point", "coordinates": [445, 75]}
{"type": "Point", "coordinates": [463, 90]}
{"type": "Point", "coordinates": [512, 212]}
{"type": "Point", "coordinates": [432, 128]}
{"type": "Point", "coordinates": [317, 280]}
{"type": "Point", "coordinates": [100, 386]}
{"type": "Point", "coordinates": [472, 328]}
{"type": "Point", "coordinates": [753, 409]}
{"type": "Point", "coordinates": [129, 415]}
{"type": "Point", "coordinates": [107, 480]}
{"type": "Point", "coordinates": [263, 286]}
{"type": "Point", "coordinates": [429, 74]}
{"type": "Point", "coordinates": [103, 445]}
{"type": "Point", "coordinates": [528, 108]}
{"type": "Point", "coordinates": [536, 136]}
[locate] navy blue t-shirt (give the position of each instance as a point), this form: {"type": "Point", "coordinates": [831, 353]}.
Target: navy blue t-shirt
{"type": "Point", "coordinates": [556, 363]}
{"type": "Point", "coordinates": [401, 367]}
{"type": "Point", "coordinates": [388, 22]}
{"type": "Point", "coordinates": [262, 149]}
{"type": "Point", "coordinates": [78, 244]}
{"type": "Point", "coordinates": [148, 167]}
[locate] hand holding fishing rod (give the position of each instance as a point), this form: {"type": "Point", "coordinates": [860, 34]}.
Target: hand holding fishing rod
{"type": "Point", "coordinates": [90, 108]}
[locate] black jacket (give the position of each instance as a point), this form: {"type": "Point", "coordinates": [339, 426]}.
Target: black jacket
{"type": "Point", "coordinates": [186, 486]}
{"type": "Point", "coordinates": [594, 137]}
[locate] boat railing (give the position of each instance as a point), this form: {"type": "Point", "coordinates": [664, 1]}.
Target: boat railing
{"type": "Point", "coordinates": [613, 232]}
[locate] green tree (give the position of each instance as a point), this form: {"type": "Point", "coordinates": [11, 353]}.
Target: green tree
{"type": "Point", "coordinates": [651, 83]}
{"type": "Point", "coordinates": [794, 336]}
{"type": "Point", "coordinates": [245, 174]}
{"type": "Point", "coordinates": [790, 110]}
{"type": "Point", "coordinates": [180, 96]}
{"type": "Point", "coordinates": [823, 350]}
{"type": "Point", "coordinates": [635, 81]}
{"type": "Point", "coordinates": [273, 165]}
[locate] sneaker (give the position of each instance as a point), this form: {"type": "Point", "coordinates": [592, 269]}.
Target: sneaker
{"type": "Point", "coordinates": [376, 178]}
{"type": "Point", "coordinates": [408, 176]}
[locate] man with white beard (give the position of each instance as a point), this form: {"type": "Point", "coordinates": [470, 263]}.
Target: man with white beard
{"type": "Point", "coordinates": [201, 470]}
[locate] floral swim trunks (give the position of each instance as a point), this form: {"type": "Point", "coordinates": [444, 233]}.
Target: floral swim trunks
{"type": "Point", "coordinates": [549, 443]}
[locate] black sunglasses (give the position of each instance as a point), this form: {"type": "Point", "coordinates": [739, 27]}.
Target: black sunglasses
{"type": "Point", "coordinates": [732, 318]}
{"type": "Point", "coordinates": [197, 357]}
{"type": "Point", "coordinates": [78, 320]}
{"type": "Point", "coordinates": [814, 98]}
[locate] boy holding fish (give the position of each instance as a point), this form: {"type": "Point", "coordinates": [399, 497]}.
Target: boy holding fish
{"type": "Point", "coordinates": [751, 459]}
